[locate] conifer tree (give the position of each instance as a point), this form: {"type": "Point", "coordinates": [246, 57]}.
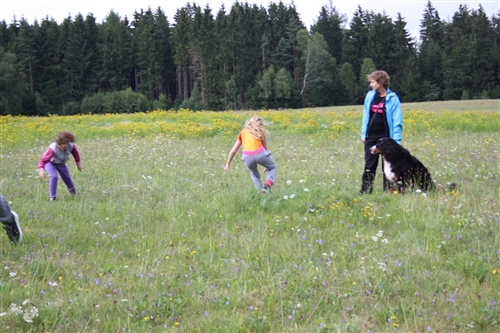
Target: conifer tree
{"type": "Point", "coordinates": [382, 43]}
{"type": "Point", "coordinates": [13, 87]}
{"type": "Point", "coordinates": [348, 80]}
{"type": "Point", "coordinates": [81, 57]}
{"type": "Point", "coordinates": [355, 39]}
{"type": "Point", "coordinates": [292, 27]}
{"type": "Point", "coordinates": [180, 40]}
{"type": "Point", "coordinates": [203, 54]}
{"type": "Point", "coordinates": [117, 53]}
{"type": "Point", "coordinates": [223, 56]}
{"type": "Point", "coordinates": [329, 23]}
{"type": "Point", "coordinates": [429, 58]}
{"type": "Point", "coordinates": [247, 26]}
{"type": "Point", "coordinates": [50, 78]}
{"type": "Point", "coordinates": [27, 50]}
{"type": "Point", "coordinates": [367, 67]}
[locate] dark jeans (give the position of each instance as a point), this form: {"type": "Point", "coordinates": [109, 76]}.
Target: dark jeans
{"type": "Point", "coordinates": [371, 163]}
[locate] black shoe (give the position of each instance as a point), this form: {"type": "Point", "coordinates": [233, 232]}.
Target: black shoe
{"type": "Point", "coordinates": [365, 191]}
{"type": "Point", "coordinates": [266, 189]}
{"type": "Point", "coordinates": [13, 229]}
{"type": "Point", "coordinates": [366, 188]}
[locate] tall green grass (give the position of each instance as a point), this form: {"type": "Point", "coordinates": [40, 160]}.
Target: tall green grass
{"type": "Point", "coordinates": [161, 239]}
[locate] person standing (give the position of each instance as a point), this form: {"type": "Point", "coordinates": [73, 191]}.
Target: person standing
{"type": "Point", "coordinates": [54, 162]}
{"type": "Point", "coordinates": [382, 117]}
{"type": "Point", "coordinates": [253, 139]}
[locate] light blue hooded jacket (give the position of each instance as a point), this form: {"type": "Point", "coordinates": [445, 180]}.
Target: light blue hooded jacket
{"type": "Point", "coordinates": [392, 110]}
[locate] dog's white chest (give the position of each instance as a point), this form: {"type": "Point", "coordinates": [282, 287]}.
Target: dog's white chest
{"type": "Point", "coordinates": [388, 171]}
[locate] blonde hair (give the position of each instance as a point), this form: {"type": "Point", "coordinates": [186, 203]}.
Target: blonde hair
{"type": "Point", "coordinates": [65, 137]}
{"type": "Point", "coordinates": [256, 127]}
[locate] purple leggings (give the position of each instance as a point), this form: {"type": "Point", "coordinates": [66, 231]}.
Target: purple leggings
{"type": "Point", "coordinates": [52, 170]}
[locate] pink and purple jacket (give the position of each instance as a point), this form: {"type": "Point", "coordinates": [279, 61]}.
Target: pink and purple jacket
{"type": "Point", "coordinates": [55, 155]}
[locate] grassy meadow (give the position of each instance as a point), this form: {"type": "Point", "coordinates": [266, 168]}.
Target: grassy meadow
{"type": "Point", "coordinates": [161, 239]}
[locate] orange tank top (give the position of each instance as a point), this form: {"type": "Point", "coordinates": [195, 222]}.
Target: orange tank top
{"type": "Point", "coordinates": [248, 141]}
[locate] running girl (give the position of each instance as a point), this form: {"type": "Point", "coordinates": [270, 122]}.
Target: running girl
{"type": "Point", "coordinates": [253, 139]}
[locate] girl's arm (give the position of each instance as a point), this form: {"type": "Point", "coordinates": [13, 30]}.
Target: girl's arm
{"type": "Point", "coordinates": [233, 151]}
{"type": "Point", "coordinates": [44, 160]}
{"type": "Point", "coordinates": [76, 155]}
{"type": "Point", "coordinates": [264, 143]}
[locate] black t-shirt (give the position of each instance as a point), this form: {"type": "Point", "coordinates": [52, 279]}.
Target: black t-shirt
{"type": "Point", "coordinates": [378, 120]}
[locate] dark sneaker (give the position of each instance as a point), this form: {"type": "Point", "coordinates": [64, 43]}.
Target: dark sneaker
{"type": "Point", "coordinates": [266, 189]}
{"type": "Point", "coordinates": [366, 188]}
{"type": "Point", "coordinates": [52, 199]}
{"type": "Point", "coordinates": [13, 229]}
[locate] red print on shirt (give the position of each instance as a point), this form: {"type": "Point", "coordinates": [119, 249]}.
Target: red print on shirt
{"type": "Point", "coordinates": [378, 108]}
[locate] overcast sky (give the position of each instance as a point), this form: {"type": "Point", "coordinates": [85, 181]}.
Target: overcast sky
{"type": "Point", "coordinates": [411, 11]}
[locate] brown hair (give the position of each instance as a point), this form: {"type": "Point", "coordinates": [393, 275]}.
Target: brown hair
{"type": "Point", "coordinates": [65, 137]}
{"type": "Point", "coordinates": [381, 77]}
{"type": "Point", "coordinates": [256, 127]}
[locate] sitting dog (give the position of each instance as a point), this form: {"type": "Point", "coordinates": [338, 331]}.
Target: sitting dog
{"type": "Point", "coordinates": [403, 170]}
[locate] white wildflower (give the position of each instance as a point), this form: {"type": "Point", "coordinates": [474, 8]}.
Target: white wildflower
{"type": "Point", "coordinates": [14, 308]}
{"type": "Point", "coordinates": [30, 313]}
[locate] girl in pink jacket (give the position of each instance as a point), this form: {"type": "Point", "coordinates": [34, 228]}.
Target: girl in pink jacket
{"type": "Point", "coordinates": [54, 161]}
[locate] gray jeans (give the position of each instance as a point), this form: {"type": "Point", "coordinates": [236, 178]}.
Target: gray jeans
{"type": "Point", "coordinates": [263, 158]}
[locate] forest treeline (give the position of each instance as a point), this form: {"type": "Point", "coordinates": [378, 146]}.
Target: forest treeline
{"type": "Point", "coordinates": [247, 57]}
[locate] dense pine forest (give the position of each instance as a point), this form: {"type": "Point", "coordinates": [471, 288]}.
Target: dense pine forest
{"type": "Point", "coordinates": [245, 57]}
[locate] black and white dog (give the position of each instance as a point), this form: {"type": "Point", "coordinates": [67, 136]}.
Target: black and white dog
{"type": "Point", "coordinates": [403, 170]}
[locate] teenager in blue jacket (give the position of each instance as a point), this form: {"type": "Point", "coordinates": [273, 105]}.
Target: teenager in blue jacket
{"type": "Point", "coordinates": [382, 117]}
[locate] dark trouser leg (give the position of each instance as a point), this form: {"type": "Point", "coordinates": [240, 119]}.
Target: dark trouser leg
{"type": "Point", "coordinates": [371, 162]}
